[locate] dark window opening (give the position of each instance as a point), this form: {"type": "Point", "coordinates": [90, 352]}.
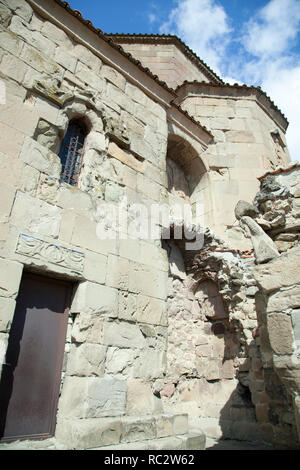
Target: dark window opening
{"type": "Point", "coordinates": [71, 152]}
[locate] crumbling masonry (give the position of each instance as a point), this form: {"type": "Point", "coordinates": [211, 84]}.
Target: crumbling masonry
{"type": "Point", "coordinates": [153, 345]}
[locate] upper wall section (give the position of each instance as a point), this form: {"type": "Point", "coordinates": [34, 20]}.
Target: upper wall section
{"type": "Point", "coordinates": [249, 138]}
{"type": "Point", "coordinates": [167, 57]}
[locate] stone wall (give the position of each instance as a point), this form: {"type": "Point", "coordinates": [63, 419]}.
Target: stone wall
{"type": "Point", "coordinates": [248, 140]}
{"type": "Point", "coordinates": [160, 339]}
{"type": "Point", "coordinates": [117, 331]}
{"type": "Point", "coordinates": [277, 302]}
{"type": "Point", "coordinates": [166, 61]}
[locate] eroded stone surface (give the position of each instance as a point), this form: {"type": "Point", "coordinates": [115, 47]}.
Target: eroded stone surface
{"type": "Point", "coordinates": [160, 338]}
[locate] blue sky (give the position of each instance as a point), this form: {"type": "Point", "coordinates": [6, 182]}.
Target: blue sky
{"type": "Point", "coordinates": [256, 42]}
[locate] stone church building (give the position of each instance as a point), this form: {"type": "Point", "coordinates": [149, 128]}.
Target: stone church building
{"type": "Point", "coordinates": [111, 338]}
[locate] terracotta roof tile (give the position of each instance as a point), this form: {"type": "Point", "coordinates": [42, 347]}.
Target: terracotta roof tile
{"type": "Point", "coordinates": [280, 169]}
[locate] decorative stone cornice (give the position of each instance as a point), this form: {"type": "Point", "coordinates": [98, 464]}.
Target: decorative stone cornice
{"type": "Point", "coordinates": [188, 89]}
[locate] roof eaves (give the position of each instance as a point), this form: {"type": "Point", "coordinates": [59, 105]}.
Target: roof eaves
{"type": "Point", "coordinates": [140, 37]}
{"type": "Point", "coordinates": [77, 14]}
{"type": "Point", "coordinates": [177, 106]}
{"type": "Point", "coordinates": [236, 86]}
{"type": "Point", "coordinates": [279, 169]}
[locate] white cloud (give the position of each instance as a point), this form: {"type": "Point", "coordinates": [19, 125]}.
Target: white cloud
{"type": "Point", "coordinates": [270, 36]}
{"type": "Point", "coordinates": [151, 18]}
{"type": "Point", "coordinates": [272, 29]}
{"type": "Point", "coordinates": [283, 86]}
{"type": "Point", "coordinates": [203, 25]}
{"type": "Point", "coordinates": [263, 50]}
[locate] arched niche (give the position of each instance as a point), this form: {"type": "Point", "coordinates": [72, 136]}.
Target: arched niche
{"type": "Point", "coordinates": [187, 174]}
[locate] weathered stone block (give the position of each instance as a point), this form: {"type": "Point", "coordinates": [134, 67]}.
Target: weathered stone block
{"type": "Point", "coordinates": [10, 277]}
{"type": "Point", "coordinates": [123, 335]}
{"type": "Point", "coordinates": [150, 364]}
{"type": "Point", "coordinates": [5, 14]}
{"type": "Point", "coordinates": [133, 125]}
{"type": "Point", "coordinates": [150, 310]}
{"type": "Point", "coordinates": [120, 98]}
{"type": "Point", "coordinates": [11, 142]}
{"type": "Point", "coordinates": [88, 57]}
{"type": "Point", "coordinates": [194, 441]}
{"type": "Point", "coordinates": [85, 235]}
{"type": "Point", "coordinates": [36, 251]}
{"type": "Point", "coordinates": [125, 157]}
{"type": "Point", "coordinates": [96, 141]}
{"type": "Point", "coordinates": [127, 306]}
{"type": "Point", "coordinates": [88, 433]}
{"type": "Point", "coordinates": [164, 425]}
{"type": "Point", "coordinates": [111, 75]}
{"type": "Point", "coordinates": [240, 136]}
{"type": "Point", "coordinates": [208, 369]}
{"type": "Point", "coordinates": [86, 360]}
{"type": "Point", "coordinates": [72, 198]}
{"type": "Point", "coordinates": [40, 158]}
{"type": "Point", "coordinates": [6, 202]}
{"type": "Point", "coordinates": [204, 350]}
{"type": "Point", "coordinates": [117, 272]}
{"type": "Point", "coordinates": [65, 60]}
{"type": "Point", "coordinates": [130, 249]}
{"type": "Point", "coordinates": [211, 427]}
{"type": "Point", "coordinates": [282, 272]}
{"type": "Point", "coordinates": [36, 216]}
{"type": "Point", "coordinates": [296, 324]}
{"type": "Point", "coordinates": [14, 67]}
{"type": "Point", "coordinates": [113, 192]}
{"type": "Point", "coordinates": [38, 62]}
{"type": "Point", "coordinates": [147, 281]}
{"type": "Point", "coordinates": [141, 400]}
{"type": "Point", "coordinates": [7, 308]}
{"type": "Point", "coordinates": [180, 424]}
{"type": "Point", "coordinates": [134, 429]}
{"type": "Point", "coordinates": [227, 370]}
{"type": "Point", "coordinates": [87, 328]}
{"type": "Point", "coordinates": [264, 248]}
{"type": "Point", "coordinates": [119, 361]}
{"type": "Point", "coordinates": [262, 413]}
{"type": "Point", "coordinates": [285, 299]}
{"type": "Point", "coordinates": [95, 267]}
{"type": "Point", "coordinates": [48, 186]}
{"type": "Point", "coordinates": [280, 333]}
{"type": "Point", "coordinates": [20, 7]}
{"type": "Point", "coordinates": [86, 397]}
{"type": "Point", "coordinates": [9, 41]}
{"type": "Point", "coordinates": [96, 299]}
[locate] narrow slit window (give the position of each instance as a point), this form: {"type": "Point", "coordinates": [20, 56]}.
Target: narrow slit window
{"type": "Point", "coordinates": [71, 152]}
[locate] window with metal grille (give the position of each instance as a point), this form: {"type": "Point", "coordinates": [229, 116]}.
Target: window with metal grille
{"type": "Point", "coordinates": [71, 152]}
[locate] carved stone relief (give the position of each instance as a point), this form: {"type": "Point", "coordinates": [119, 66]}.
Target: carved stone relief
{"type": "Point", "coordinates": [37, 248]}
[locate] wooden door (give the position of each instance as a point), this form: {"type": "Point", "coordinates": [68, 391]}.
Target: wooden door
{"type": "Point", "coordinates": [30, 378]}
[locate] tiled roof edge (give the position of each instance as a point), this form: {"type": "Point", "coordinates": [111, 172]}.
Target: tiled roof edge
{"type": "Point", "coordinates": [100, 33]}
{"type": "Point", "coordinates": [236, 86]}
{"type": "Point", "coordinates": [177, 106]}
{"type": "Point", "coordinates": [279, 170]}
{"type": "Point", "coordinates": [140, 37]}
{"type": "Point", "coordinates": [77, 14]}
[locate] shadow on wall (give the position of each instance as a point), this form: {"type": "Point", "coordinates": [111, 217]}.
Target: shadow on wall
{"type": "Point", "coordinates": [259, 409]}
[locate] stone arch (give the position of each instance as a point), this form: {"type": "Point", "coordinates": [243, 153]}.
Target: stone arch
{"type": "Point", "coordinates": [72, 150]}
{"type": "Point", "coordinates": [185, 167]}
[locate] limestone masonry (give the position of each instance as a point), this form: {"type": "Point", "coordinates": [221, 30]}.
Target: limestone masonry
{"type": "Point", "coordinates": [162, 345]}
